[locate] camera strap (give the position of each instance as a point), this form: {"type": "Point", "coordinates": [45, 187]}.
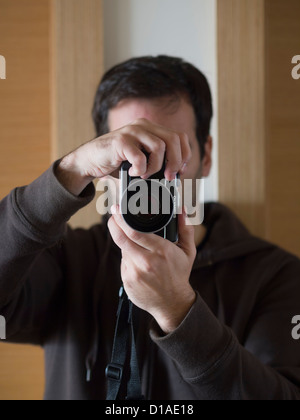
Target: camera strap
{"type": "Point", "coordinates": [124, 342]}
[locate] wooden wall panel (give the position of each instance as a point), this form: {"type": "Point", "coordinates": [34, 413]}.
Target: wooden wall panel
{"type": "Point", "coordinates": [53, 50]}
{"type": "Point", "coordinates": [283, 123]}
{"type": "Point", "coordinates": [241, 109]}
{"type": "Point", "coordinates": [24, 95]}
{"type": "Point", "coordinates": [259, 124]}
{"type": "Point", "coordinates": [77, 51]}
{"type": "Point", "coordinates": [24, 149]}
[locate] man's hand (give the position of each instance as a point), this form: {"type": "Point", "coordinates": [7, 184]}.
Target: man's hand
{"type": "Point", "coordinates": [103, 156]}
{"type": "Point", "coordinates": [156, 272]}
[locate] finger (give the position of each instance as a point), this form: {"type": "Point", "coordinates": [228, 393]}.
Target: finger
{"type": "Point", "coordinates": [185, 150]}
{"type": "Point", "coordinates": [121, 239]}
{"type": "Point", "coordinates": [134, 155]}
{"type": "Point", "coordinates": [157, 154]}
{"type": "Point", "coordinates": [153, 145]}
{"type": "Point", "coordinates": [174, 161]}
{"type": "Point", "coordinates": [186, 236]}
{"type": "Point", "coordinates": [173, 146]}
{"type": "Point", "coordinates": [151, 242]}
{"type": "Point", "coordinates": [156, 157]}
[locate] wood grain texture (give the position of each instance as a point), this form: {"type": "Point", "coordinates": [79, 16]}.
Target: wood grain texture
{"type": "Point", "coordinates": [42, 110]}
{"type": "Point", "coordinates": [24, 95]}
{"type": "Point", "coordinates": [24, 150]}
{"type": "Point", "coordinates": [242, 179]}
{"type": "Point", "coordinates": [259, 117]}
{"type": "Point", "coordinates": [283, 124]}
{"type": "Point", "coordinates": [77, 52]}
{"type": "Point", "coordinates": [21, 372]}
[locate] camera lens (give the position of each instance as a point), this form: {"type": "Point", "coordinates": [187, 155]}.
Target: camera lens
{"type": "Point", "coordinates": [147, 206]}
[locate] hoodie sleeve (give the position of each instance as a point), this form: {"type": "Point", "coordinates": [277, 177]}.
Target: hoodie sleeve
{"type": "Point", "coordinates": [266, 366]}
{"type": "Point", "coordinates": [32, 222]}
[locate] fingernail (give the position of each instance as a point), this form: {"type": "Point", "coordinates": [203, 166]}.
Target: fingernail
{"type": "Point", "coordinates": [173, 175]}
{"type": "Point", "coordinates": [113, 209]}
{"type": "Point", "coordinates": [183, 169]}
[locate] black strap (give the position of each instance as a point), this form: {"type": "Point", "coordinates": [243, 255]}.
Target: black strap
{"type": "Point", "coordinates": [124, 341]}
{"type": "Point", "coordinates": [134, 387]}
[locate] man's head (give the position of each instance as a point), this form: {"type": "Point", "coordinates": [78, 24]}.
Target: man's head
{"type": "Point", "coordinates": [166, 91]}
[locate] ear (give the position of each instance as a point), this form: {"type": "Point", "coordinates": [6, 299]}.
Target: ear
{"type": "Point", "coordinates": [207, 159]}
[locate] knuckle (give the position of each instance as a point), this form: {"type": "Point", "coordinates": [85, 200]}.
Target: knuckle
{"type": "Point", "coordinates": [161, 254]}
{"type": "Point", "coordinates": [176, 164]}
{"type": "Point", "coordinates": [143, 120]}
{"type": "Point", "coordinates": [175, 138]}
{"type": "Point", "coordinates": [185, 140]}
{"type": "Point", "coordinates": [184, 137]}
{"type": "Point", "coordinates": [147, 266]}
{"type": "Point", "coordinates": [136, 275]}
{"type": "Point", "coordinates": [188, 156]}
{"type": "Point", "coordinates": [167, 253]}
{"type": "Point", "coordinates": [122, 139]}
{"type": "Point", "coordinates": [162, 146]}
{"type": "Point", "coordinates": [134, 236]}
{"type": "Point", "coordinates": [140, 121]}
{"type": "Point", "coordinates": [159, 146]}
{"type": "Point", "coordinates": [121, 240]}
{"type": "Point", "coordinates": [156, 147]}
{"type": "Point", "coordinates": [133, 130]}
{"type": "Point", "coordinates": [126, 129]}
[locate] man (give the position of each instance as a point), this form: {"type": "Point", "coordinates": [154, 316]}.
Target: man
{"type": "Point", "coordinates": [214, 311]}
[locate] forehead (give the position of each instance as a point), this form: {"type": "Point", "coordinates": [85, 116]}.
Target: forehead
{"type": "Point", "coordinates": [175, 114]}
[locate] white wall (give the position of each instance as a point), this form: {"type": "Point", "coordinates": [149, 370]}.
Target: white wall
{"type": "Point", "coordinates": [183, 28]}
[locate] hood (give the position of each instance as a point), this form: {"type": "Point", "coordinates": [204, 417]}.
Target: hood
{"type": "Point", "coordinates": [227, 238]}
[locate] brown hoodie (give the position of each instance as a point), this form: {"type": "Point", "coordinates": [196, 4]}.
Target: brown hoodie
{"type": "Point", "coordinates": [59, 289]}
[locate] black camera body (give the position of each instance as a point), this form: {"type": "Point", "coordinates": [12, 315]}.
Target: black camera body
{"type": "Point", "coordinates": [150, 206]}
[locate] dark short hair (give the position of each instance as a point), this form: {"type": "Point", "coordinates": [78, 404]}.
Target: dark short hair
{"type": "Point", "coordinates": [154, 77]}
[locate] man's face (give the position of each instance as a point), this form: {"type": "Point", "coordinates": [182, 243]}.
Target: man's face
{"type": "Point", "coordinates": [178, 116]}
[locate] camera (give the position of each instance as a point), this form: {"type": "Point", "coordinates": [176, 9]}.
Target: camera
{"type": "Point", "coordinates": [151, 205]}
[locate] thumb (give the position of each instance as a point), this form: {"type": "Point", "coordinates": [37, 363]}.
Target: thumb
{"type": "Point", "coordinates": [186, 235]}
